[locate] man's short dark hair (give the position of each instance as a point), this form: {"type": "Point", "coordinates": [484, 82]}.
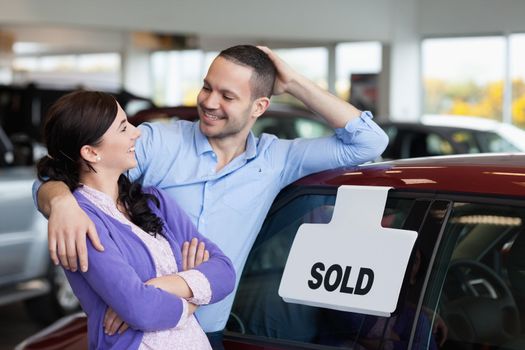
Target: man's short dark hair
{"type": "Point", "coordinates": [264, 71]}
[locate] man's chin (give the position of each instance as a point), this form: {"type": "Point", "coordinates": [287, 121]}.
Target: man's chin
{"type": "Point", "coordinates": [207, 131]}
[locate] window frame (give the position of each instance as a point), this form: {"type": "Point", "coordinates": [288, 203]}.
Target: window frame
{"type": "Point", "coordinates": [445, 245]}
{"type": "Point", "coordinates": [293, 192]}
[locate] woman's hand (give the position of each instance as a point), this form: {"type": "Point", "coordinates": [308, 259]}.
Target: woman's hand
{"type": "Point", "coordinates": [194, 254]}
{"type": "Point", "coordinates": [113, 323]}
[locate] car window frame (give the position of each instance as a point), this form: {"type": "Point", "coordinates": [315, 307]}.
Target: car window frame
{"type": "Point", "coordinates": [445, 246]}
{"type": "Point", "coordinates": [291, 193]}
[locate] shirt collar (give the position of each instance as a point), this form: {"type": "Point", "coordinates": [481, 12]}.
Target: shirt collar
{"type": "Point", "coordinates": [203, 145]}
{"type": "Point", "coordinates": [251, 146]}
{"type": "Point", "coordinates": [201, 141]}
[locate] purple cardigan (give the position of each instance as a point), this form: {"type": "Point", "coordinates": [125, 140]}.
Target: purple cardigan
{"type": "Point", "coordinates": [116, 276]}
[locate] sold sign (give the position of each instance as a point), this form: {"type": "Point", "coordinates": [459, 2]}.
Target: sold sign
{"type": "Point", "coordinates": [352, 263]}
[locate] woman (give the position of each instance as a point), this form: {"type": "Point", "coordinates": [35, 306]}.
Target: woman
{"type": "Point", "coordinates": [138, 275]}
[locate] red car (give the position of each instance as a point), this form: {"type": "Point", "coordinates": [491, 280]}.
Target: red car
{"type": "Point", "coordinates": [462, 285]}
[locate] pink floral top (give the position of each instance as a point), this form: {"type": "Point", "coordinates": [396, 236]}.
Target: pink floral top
{"type": "Point", "coordinates": [188, 334]}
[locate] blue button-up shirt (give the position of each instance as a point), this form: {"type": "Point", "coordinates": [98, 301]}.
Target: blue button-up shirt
{"type": "Point", "coordinates": [229, 206]}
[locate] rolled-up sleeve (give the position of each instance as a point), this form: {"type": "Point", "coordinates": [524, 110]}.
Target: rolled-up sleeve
{"type": "Point", "coordinates": [199, 285]}
{"type": "Point", "coordinates": [36, 186]}
{"type": "Point", "coordinates": [360, 141]}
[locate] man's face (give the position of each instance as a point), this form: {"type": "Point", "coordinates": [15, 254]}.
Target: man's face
{"type": "Point", "coordinates": [225, 105]}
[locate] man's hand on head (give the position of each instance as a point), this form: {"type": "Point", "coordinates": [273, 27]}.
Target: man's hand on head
{"type": "Point", "coordinates": [285, 74]}
{"type": "Point", "coordinates": [68, 226]}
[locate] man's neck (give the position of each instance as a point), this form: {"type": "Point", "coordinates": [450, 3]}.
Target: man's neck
{"type": "Point", "coordinates": [227, 150]}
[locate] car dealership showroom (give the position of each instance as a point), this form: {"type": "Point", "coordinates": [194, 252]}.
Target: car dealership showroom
{"type": "Point", "coordinates": [262, 175]}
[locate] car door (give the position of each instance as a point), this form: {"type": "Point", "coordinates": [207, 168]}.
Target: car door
{"type": "Point", "coordinates": [260, 319]}
{"type": "Point", "coordinates": [22, 229]}
{"type": "Point", "coordinates": [477, 282]}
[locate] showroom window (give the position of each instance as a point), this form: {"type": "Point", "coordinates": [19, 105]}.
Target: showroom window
{"type": "Point", "coordinates": [355, 60]}
{"type": "Point", "coordinates": [177, 75]}
{"type": "Point", "coordinates": [312, 62]}
{"type": "Point", "coordinates": [95, 71]}
{"type": "Point", "coordinates": [517, 75]}
{"type": "Point", "coordinates": [475, 76]}
{"type": "Point", "coordinates": [464, 76]}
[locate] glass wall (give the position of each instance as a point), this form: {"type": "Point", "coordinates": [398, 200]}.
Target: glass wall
{"type": "Point", "coordinates": [95, 71]}
{"type": "Point", "coordinates": [355, 58]}
{"type": "Point", "coordinates": [517, 75]}
{"type": "Point", "coordinates": [464, 76]}
{"type": "Point", "coordinates": [177, 75]}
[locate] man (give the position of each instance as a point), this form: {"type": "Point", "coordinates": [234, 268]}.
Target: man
{"type": "Point", "coordinates": [224, 177]}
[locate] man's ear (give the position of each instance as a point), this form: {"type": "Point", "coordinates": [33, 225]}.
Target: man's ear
{"type": "Point", "coordinates": [260, 106]}
{"type": "Point", "coordinates": [88, 153]}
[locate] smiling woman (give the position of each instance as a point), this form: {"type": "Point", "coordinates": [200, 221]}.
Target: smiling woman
{"type": "Point", "coordinates": [149, 276]}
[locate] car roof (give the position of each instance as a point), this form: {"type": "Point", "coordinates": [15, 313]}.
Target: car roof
{"type": "Point", "coordinates": [440, 128]}
{"type": "Point", "coordinates": [490, 174]}
{"type": "Point", "coordinates": [462, 122]}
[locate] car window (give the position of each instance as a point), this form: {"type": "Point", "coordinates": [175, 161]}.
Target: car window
{"type": "Point", "coordinates": [310, 128]}
{"type": "Point", "coordinates": [492, 142]}
{"type": "Point", "coordinates": [466, 141]}
{"type": "Point", "coordinates": [259, 311]}
{"type": "Point", "coordinates": [422, 144]}
{"type": "Point", "coordinates": [391, 151]}
{"type": "Point", "coordinates": [478, 282]}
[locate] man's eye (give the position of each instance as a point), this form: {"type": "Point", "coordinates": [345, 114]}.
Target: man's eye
{"type": "Point", "coordinates": [229, 98]}
{"type": "Point", "coordinates": [205, 88]}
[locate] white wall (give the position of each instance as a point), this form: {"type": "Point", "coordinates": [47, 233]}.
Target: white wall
{"type": "Point", "coordinates": [470, 17]}
{"type": "Point", "coordinates": [405, 62]}
{"type": "Point", "coordinates": [72, 39]}
{"type": "Point", "coordinates": [334, 20]}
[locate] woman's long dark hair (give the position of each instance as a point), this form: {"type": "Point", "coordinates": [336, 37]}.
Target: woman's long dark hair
{"type": "Point", "coordinates": [81, 118]}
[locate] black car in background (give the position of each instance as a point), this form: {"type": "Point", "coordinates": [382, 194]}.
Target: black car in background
{"type": "Point", "coordinates": [23, 109]}
{"type": "Point", "coordinates": [446, 135]}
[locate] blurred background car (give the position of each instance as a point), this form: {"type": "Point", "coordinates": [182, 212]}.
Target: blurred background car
{"type": "Point", "coordinates": [23, 109]}
{"type": "Point", "coordinates": [444, 135]}
{"type": "Point", "coordinates": [26, 272]}
{"type": "Point", "coordinates": [284, 121]}
{"type": "Point", "coordinates": [463, 288]}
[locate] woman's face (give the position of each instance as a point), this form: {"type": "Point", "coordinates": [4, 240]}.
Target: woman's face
{"type": "Point", "coordinates": [117, 149]}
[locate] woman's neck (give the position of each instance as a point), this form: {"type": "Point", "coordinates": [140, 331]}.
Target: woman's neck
{"type": "Point", "coordinates": [104, 183]}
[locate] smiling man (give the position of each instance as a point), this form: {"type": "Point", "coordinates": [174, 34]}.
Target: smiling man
{"type": "Point", "coordinates": [221, 174]}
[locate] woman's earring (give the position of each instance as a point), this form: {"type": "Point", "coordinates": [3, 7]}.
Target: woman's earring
{"type": "Point", "coordinates": [98, 159]}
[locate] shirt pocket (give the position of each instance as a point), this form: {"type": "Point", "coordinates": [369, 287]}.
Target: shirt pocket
{"type": "Point", "coordinates": [246, 189]}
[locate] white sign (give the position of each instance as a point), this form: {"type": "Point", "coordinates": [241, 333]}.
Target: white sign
{"type": "Point", "coordinates": [352, 263]}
